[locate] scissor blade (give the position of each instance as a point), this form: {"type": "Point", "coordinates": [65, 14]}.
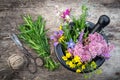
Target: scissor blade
{"type": "Point", "coordinates": [16, 40]}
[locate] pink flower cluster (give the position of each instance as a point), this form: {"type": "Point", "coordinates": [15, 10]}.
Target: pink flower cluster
{"type": "Point", "coordinates": [97, 47]}
{"type": "Point", "coordinates": [82, 52]}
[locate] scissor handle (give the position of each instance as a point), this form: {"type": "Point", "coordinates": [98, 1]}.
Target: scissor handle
{"type": "Point", "coordinates": [39, 61]}
{"type": "Point", "coordinates": [32, 65]}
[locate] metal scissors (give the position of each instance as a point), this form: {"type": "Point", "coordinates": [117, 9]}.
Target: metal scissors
{"type": "Point", "coordinates": [31, 61]}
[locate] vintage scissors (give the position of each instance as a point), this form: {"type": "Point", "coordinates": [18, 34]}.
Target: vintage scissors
{"type": "Point", "coordinates": [31, 61]}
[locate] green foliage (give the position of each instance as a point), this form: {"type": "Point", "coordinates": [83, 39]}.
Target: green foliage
{"type": "Point", "coordinates": [92, 74]}
{"type": "Point", "coordinates": [79, 25]}
{"type": "Point", "coordinates": [34, 34]}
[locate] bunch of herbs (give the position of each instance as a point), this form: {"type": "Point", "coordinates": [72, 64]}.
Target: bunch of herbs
{"type": "Point", "coordinates": [34, 34]}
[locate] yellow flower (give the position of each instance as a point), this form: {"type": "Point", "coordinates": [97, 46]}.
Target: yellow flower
{"type": "Point", "coordinates": [60, 27]}
{"type": "Point", "coordinates": [68, 55]}
{"type": "Point", "coordinates": [73, 60]}
{"type": "Point", "coordinates": [83, 67]}
{"type": "Point", "coordinates": [77, 59]}
{"type": "Point", "coordinates": [67, 62]}
{"type": "Point", "coordinates": [64, 58]}
{"type": "Point", "coordinates": [61, 39]}
{"type": "Point", "coordinates": [79, 63]}
{"type": "Point", "coordinates": [78, 70]}
{"type": "Point", "coordinates": [71, 64]}
{"type": "Point", "coordinates": [93, 64]}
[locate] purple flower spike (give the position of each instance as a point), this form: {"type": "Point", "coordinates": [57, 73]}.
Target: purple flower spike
{"type": "Point", "coordinates": [52, 37]}
{"type": "Point", "coordinates": [71, 44]}
{"type": "Point", "coordinates": [55, 43]}
{"type": "Point", "coordinates": [106, 55]}
{"type": "Point", "coordinates": [61, 32]}
{"type": "Point", "coordinates": [56, 33]}
{"type": "Point", "coordinates": [81, 36]}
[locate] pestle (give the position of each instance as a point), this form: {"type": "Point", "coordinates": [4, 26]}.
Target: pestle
{"type": "Point", "coordinates": [102, 22]}
{"type": "Point", "coordinates": [71, 24]}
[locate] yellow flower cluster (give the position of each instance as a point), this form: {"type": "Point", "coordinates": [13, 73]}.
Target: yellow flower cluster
{"type": "Point", "coordinates": [73, 62]}
{"type": "Point", "coordinates": [61, 39]}
{"type": "Point", "coordinates": [60, 27]}
{"type": "Point", "coordinates": [81, 68]}
{"type": "Point", "coordinates": [93, 64]}
{"type": "Point", "coordinates": [67, 56]}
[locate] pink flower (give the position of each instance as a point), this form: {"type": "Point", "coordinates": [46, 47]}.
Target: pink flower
{"type": "Point", "coordinates": [106, 51]}
{"type": "Point", "coordinates": [70, 50]}
{"type": "Point", "coordinates": [66, 13]}
{"type": "Point", "coordinates": [98, 46]}
{"type": "Point", "coordinates": [95, 37]}
{"type": "Point", "coordinates": [95, 48]}
{"type": "Point", "coordinates": [86, 56]}
{"type": "Point", "coordinates": [78, 50]}
{"type": "Point", "coordinates": [82, 52]}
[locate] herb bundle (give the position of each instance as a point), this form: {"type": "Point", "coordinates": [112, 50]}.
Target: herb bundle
{"type": "Point", "coordinates": [34, 34]}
